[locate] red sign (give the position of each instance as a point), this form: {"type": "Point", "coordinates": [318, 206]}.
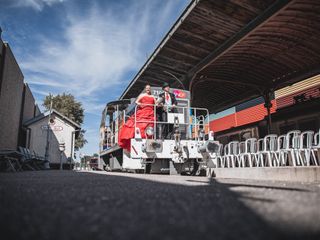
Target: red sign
{"type": "Point", "coordinates": [57, 128]}
{"type": "Point", "coordinates": [179, 94]}
{"type": "Point", "coordinates": [53, 128]}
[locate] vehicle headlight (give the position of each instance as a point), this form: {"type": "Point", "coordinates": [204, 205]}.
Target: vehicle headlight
{"type": "Point", "coordinates": [149, 131]}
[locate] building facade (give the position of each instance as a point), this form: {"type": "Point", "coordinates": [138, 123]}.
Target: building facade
{"type": "Point", "coordinates": [61, 133]}
{"type": "Point", "coordinates": [17, 103]}
{"type": "Point", "coordinates": [293, 107]}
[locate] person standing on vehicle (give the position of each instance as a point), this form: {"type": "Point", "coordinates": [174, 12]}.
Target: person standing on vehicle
{"type": "Point", "coordinates": [167, 103]}
{"type": "Point", "coordinates": [143, 118]}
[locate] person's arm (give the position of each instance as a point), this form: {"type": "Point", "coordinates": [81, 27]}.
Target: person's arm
{"type": "Point", "coordinates": [139, 99]}
{"type": "Point", "coordinates": [174, 100]}
{"type": "Point", "coordinates": [159, 102]}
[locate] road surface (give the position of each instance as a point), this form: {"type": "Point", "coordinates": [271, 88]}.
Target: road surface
{"type": "Point", "coordinates": [99, 205]}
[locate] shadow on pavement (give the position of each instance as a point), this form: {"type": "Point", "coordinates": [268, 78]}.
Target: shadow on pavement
{"type": "Point", "coordinates": [71, 205]}
{"type": "Point", "coordinates": [266, 187]}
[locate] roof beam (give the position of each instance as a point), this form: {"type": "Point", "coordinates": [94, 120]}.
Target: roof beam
{"type": "Point", "coordinates": [242, 83]}
{"type": "Point", "coordinates": [176, 25]}
{"type": "Point", "coordinates": [269, 12]}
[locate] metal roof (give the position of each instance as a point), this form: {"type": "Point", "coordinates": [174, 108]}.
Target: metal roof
{"type": "Point", "coordinates": [229, 51]}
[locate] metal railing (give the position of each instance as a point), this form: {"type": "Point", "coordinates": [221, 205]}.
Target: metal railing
{"type": "Point", "coordinates": [115, 127]}
{"type": "Point", "coordinates": [194, 123]}
{"type": "Point", "coordinates": [197, 123]}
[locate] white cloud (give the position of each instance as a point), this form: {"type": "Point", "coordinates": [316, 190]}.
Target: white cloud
{"type": "Point", "coordinates": [40, 81]}
{"type": "Point", "coordinates": [37, 5]}
{"type": "Point", "coordinates": [95, 52]}
{"type": "Point", "coordinates": [40, 92]}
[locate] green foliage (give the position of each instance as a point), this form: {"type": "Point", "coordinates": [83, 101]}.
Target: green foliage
{"type": "Point", "coordinates": [67, 105]}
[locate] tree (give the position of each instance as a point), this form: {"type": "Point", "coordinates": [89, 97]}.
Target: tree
{"type": "Point", "coordinates": [67, 105]}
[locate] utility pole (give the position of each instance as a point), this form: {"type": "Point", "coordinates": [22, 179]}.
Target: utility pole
{"type": "Point", "coordinates": [62, 147]}
{"type": "Point", "coordinates": [72, 145]}
{"type": "Point", "coordinates": [46, 156]}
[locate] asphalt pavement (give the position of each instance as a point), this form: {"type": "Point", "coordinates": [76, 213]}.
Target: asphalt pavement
{"type": "Point", "coordinates": [99, 205]}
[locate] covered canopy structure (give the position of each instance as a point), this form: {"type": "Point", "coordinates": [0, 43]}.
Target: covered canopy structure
{"type": "Point", "coordinates": [229, 51]}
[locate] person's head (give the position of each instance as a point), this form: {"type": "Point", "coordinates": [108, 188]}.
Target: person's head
{"type": "Point", "coordinates": [166, 87]}
{"type": "Point", "coordinates": [147, 89]}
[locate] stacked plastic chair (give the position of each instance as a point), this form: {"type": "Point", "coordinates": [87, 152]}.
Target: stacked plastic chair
{"type": "Point", "coordinates": [295, 148]}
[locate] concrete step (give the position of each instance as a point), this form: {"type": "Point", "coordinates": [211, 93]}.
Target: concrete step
{"type": "Point", "coordinates": [293, 174]}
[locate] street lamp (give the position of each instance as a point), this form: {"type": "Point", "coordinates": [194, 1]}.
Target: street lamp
{"type": "Point", "coordinates": [62, 147]}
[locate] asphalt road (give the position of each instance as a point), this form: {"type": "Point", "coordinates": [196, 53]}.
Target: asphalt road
{"type": "Point", "coordinates": [85, 205]}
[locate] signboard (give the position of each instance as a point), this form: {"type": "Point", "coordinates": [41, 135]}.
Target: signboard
{"type": "Point", "coordinates": [53, 128]}
{"type": "Point", "coordinates": [179, 93]}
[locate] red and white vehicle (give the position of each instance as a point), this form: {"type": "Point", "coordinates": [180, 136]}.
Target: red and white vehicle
{"type": "Point", "coordinates": [191, 143]}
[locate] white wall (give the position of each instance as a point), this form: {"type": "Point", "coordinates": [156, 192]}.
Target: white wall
{"type": "Point", "coordinates": [61, 131]}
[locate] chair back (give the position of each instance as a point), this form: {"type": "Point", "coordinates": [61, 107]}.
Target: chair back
{"type": "Point", "coordinates": [221, 150]}
{"type": "Point", "coordinates": [243, 148]}
{"type": "Point", "coordinates": [316, 140]}
{"type": "Point", "coordinates": [282, 142]}
{"type": "Point", "coordinates": [251, 145]}
{"type": "Point", "coordinates": [260, 145]}
{"type": "Point", "coordinates": [233, 148]}
{"type": "Point", "coordinates": [306, 139]}
{"type": "Point", "coordinates": [270, 142]}
{"type": "Point", "coordinates": [226, 150]}
{"type": "Point", "coordinates": [291, 138]}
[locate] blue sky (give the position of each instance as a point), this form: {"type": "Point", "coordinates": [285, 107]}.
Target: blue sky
{"type": "Point", "coordinates": [89, 48]}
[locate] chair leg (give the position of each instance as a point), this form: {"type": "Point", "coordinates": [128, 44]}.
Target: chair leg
{"type": "Point", "coordinates": [231, 161]}
{"type": "Point", "coordinates": [238, 160]}
{"type": "Point", "coordinates": [19, 165]}
{"type": "Point", "coordinates": [256, 159]}
{"type": "Point", "coordinates": [260, 160]}
{"type": "Point", "coordinates": [292, 158]}
{"type": "Point", "coordinates": [299, 158]}
{"type": "Point", "coordinates": [313, 156]}
{"type": "Point", "coordinates": [276, 159]}
{"type": "Point", "coordinates": [249, 160]}
{"type": "Point", "coordinates": [284, 158]}
{"type": "Point", "coordinates": [253, 160]}
{"type": "Point", "coordinates": [242, 161]}
{"type": "Point", "coordinates": [269, 158]}
{"type": "Point", "coordinates": [222, 161]}
{"type": "Point", "coordinates": [307, 156]}
{"type": "Point", "coordinates": [10, 165]}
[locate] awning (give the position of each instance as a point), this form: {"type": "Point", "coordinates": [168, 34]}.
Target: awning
{"type": "Point", "coordinates": [227, 52]}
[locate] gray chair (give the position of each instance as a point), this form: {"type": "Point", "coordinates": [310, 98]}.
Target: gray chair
{"type": "Point", "coordinates": [231, 156]}
{"type": "Point", "coordinates": [267, 151]}
{"type": "Point", "coordinates": [304, 148]}
{"type": "Point", "coordinates": [291, 143]}
{"type": "Point", "coordinates": [249, 151]}
{"type": "Point", "coordinates": [315, 152]}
